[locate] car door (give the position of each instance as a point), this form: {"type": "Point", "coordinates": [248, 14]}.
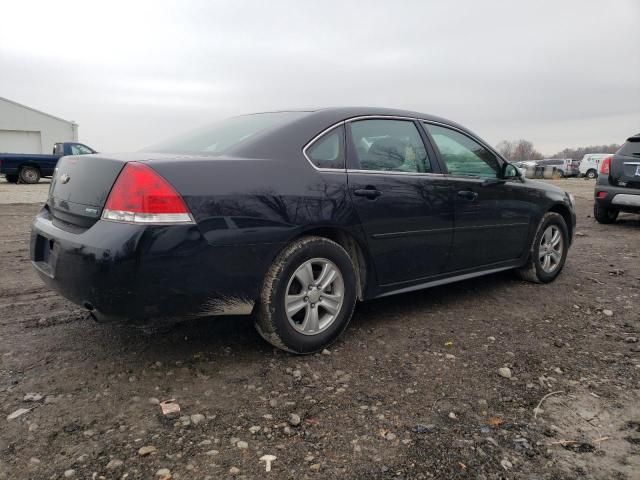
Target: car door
{"type": "Point", "coordinates": [492, 216]}
{"type": "Point", "coordinates": [400, 197]}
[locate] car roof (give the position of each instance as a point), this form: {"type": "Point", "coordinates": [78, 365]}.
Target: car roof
{"type": "Point", "coordinates": [290, 138]}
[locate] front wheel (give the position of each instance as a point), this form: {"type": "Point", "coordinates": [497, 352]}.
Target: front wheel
{"type": "Point", "coordinates": [604, 215]}
{"type": "Point", "coordinates": [548, 251]}
{"type": "Point", "coordinates": [591, 174]}
{"type": "Point", "coordinates": [29, 175]}
{"type": "Point", "coordinates": [308, 296]}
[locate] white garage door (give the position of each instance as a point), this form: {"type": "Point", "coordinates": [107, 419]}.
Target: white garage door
{"type": "Point", "coordinates": [20, 141]}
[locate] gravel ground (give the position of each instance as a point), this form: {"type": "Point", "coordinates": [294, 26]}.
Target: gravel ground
{"type": "Point", "coordinates": [442, 383]}
{"type": "Point", "coordinates": [14, 193]}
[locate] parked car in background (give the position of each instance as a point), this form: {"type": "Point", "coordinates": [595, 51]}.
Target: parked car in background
{"type": "Point", "coordinates": [590, 164]}
{"type": "Point", "coordinates": [29, 168]}
{"type": "Point", "coordinates": [293, 217]}
{"type": "Point", "coordinates": [572, 167]}
{"type": "Point", "coordinates": [618, 185]}
{"type": "Point", "coordinates": [554, 167]}
{"type": "Point", "coordinates": [526, 168]}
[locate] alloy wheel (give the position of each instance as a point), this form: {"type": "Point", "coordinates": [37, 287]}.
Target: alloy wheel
{"type": "Point", "coordinates": [550, 249]}
{"type": "Point", "coordinates": [314, 296]}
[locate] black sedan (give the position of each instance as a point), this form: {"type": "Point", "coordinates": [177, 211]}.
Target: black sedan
{"type": "Point", "coordinates": [292, 217]}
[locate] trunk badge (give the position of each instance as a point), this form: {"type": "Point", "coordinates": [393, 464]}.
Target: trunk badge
{"type": "Point", "coordinates": [64, 178]}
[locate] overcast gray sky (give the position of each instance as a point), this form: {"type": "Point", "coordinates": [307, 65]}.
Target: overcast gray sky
{"type": "Point", "coordinates": [559, 73]}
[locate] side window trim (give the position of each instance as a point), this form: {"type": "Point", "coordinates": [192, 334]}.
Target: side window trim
{"type": "Point", "coordinates": [443, 166]}
{"type": "Point", "coordinates": [318, 137]}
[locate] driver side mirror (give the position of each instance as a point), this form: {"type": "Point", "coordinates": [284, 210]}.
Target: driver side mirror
{"type": "Point", "coordinates": [510, 171]}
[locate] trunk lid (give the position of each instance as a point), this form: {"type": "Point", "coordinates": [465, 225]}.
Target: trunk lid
{"type": "Point", "coordinates": [80, 187]}
{"type": "Point", "coordinates": [625, 164]}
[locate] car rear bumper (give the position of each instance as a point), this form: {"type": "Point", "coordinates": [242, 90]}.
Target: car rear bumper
{"type": "Point", "coordinates": [621, 198]}
{"type": "Point", "coordinates": [138, 273]}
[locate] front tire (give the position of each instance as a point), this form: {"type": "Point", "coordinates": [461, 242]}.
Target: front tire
{"type": "Point", "coordinates": [29, 175]}
{"type": "Point", "coordinates": [308, 296]}
{"type": "Point", "coordinates": [591, 174]}
{"type": "Point", "coordinates": [604, 215]}
{"type": "Point", "coordinates": [548, 251]}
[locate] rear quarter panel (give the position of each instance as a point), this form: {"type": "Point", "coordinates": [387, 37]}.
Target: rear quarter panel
{"type": "Point", "coordinates": [242, 202]}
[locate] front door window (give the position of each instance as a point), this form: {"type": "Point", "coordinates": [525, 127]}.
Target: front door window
{"type": "Point", "coordinates": [462, 155]}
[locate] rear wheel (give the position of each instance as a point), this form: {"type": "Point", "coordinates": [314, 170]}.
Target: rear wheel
{"type": "Point", "coordinates": [604, 215]}
{"type": "Point", "coordinates": [12, 178]}
{"type": "Point", "coordinates": [29, 175]}
{"type": "Point", "coordinates": [591, 174]}
{"type": "Point", "coordinates": [308, 296]}
{"type": "Point", "coordinates": [548, 251]}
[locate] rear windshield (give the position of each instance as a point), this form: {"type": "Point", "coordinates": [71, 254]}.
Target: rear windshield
{"type": "Point", "coordinates": [221, 136]}
{"type": "Point", "coordinates": [631, 147]}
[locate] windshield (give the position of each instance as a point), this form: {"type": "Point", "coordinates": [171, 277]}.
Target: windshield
{"type": "Point", "coordinates": [221, 136]}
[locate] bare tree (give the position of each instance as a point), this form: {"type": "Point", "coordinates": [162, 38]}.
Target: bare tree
{"type": "Point", "coordinates": [579, 152]}
{"type": "Point", "coordinates": [505, 148]}
{"type": "Point", "coordinates": [519, 150]}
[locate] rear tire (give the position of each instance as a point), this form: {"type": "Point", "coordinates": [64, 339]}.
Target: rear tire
{"type": "Point", "coordinates": [591, 174]}
{"type": "Point", "coordinates": [29, 175]}
{"type": "Point", "coordinates": [11, 178]}
{"type": "Point", "coordinates": [604, 215]}
{"type": "Point", "coordinates": [548, 251]}
{"type": "Point", "coordinates": [292, 320]}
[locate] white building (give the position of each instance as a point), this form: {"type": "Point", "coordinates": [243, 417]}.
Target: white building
{"type": "Point", "coordinates": [26, 130]}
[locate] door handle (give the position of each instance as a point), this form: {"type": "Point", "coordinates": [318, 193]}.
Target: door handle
{"type": "Point", "coordinates": [369, 192]}
{"type": "Point", "coordinates": [468, 194]}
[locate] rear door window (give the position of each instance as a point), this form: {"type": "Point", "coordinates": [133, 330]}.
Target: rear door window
{"type": "Point", "coordinates": [389, 146]}
{"type": "Point", "coordinates": [463, 155]}
{"type": "Point", "coordinates": [328, 150]}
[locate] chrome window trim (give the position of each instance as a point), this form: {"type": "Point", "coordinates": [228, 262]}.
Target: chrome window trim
{"type": "Point", "coordinates": [320, 135]}
{"type": "Point", "coordinates": [395, 172]}
{"type": "Point", "coordinates": [393, 117]}
{"type": "Point", "coordinates": [466, 134]}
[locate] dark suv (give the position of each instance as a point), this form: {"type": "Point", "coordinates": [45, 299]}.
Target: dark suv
{"type": "Point", "coordinates": [618, 185]}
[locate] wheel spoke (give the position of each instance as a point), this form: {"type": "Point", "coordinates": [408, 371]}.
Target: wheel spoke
{"type": "Point", "coordinates": [326, 276]}
{"type": "Point", "coordinates": [547, 262]}
{"type": "Point", "coordinates": [311, 321]}
{"type": "Point", "coordinates": [547, 235]}
{"type": "Point", "coordinates": [295, 303]}
{"type": "Point", "coordinates": [556, 238]}
{"type": "Point", "coordinates": [556, 255]}
{"type": "Point", "coordinates": [305, 274]}
{"type": "Point", "coordinates": [331, 303]}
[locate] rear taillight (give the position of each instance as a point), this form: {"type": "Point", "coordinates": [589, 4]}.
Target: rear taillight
{"type": "Point", "coordinates": [141, 195]}
{"type": "Point", "coordinates": [601, 194]}
{"type": "Point", "coordinates": [605, 166]}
